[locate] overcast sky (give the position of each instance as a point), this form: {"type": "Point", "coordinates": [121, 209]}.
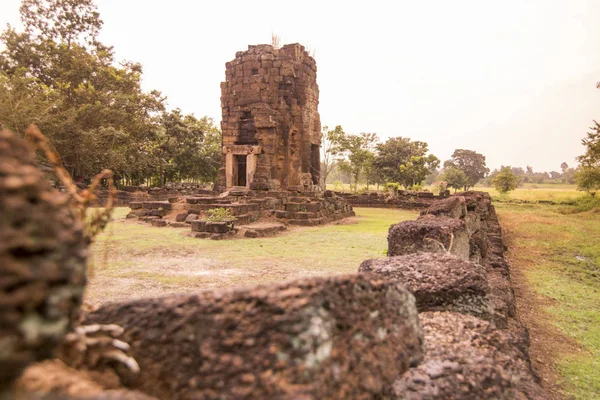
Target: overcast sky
{"type": "Point", "coordinates": [512, 79]}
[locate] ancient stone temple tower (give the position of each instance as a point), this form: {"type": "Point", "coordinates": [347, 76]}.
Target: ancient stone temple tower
{"type": "Point", "coordinates": [271, 126]}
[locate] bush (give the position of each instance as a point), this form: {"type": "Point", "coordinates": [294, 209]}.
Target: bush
{"type": "Point", "coordinates": [393, 187]}
{"type": "Point", "coordinates": [582, 204]}
{"type": "Point", "coordinates": [220, 215]}
{"type": "Point", "coordinates": [505, 181]}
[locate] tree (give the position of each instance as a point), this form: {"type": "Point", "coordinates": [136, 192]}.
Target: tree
{"type": "Point", "coordinates": [332, 146]}
{"type": "Point", "coordinates": [454, 178]}
{"type": "Point", "coordinates": [588, 180]}
{"type": "Point", "coordinates": [591, 157]}
{"type": "Point", "coordinates": [469, 162]}
{"type": "Point", "coordinates": [357, 151]}
{"type": "Point", "coordinates": [564, 167]}
{"type": "Point", "coordinates": [402, 161]}
{"type": "Point", "coordinates": [506, 180]}
{"type": "Point", "coordinates": [588, 176]}
{"type": "Point", "coordinates": [92, 110]}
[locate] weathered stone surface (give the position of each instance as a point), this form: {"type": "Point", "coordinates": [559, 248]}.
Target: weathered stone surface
{"type": "Point", "coordinates": [452, 207]}
{"type": "Point", "coordinates": [271, 105]}
{"type": "Point", "coordinates": [342, 337]}
{"type": "Point", "coordinates": [157, 205]}
{"type": "Point", "coordinates": [429, 234]}
{"type": "Point", "coordinates": [181, 217]}
{"type": "Point", "coordinates": [198, 226]}
{"type": "Point", "coordinates": [42, 261]}
{"type": "Point", "coordinates": [466, 358]}
{"type": "Point", "coordinates": [251, 233]}
{"type": "Point", "coordinates": [218, 227]}
{"type": "Point", "coordinates": [440, 282]}
{"type": "Point", "coordinates": [158, 223]}
{"type": "Point", "coordinates": [190, 218]}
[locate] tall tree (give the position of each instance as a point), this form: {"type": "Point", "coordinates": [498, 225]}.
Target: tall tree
{"type": "Point", "coordinates": [95, 112]}
{"type": "Point", "coordinates": [591, 157]}
{"type": "Point", "coordinates": [332, 145]}
{"type": "Point", "coordinates": [402, 161]}
{"type": "Point", "coordinates": [469, 162]}
{"type": "Point", "coordinates": [357, 150]}
{"type": "Point", "coordinates": [588, 176]}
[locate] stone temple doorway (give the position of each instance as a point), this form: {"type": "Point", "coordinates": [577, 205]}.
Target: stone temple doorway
{"type": "Point", "coordinates": [239, 170]}
{"type": "Point", "coordinates": [240, 164]}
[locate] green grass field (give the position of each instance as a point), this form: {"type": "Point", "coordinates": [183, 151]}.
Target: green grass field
{"type": "Point", "coordinates": [535, 192]}
{"type": "Point", "coordinates": [559, 255]}
{"type": "Point", "coordinates": [133, 260]}
{"type": "Point", "coordinates": [529, 192]}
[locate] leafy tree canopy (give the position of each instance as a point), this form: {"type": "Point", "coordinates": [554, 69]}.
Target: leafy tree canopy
{"type": "Point", "coordinates": [404, 161]}
{"type": "Point", "coordinates": [454, 178]}
{"type": "Point", "coordinates": [469, 162]}
{"type": "Point", "coordinates": [57, 74]}
{"type": "Point", "coordinates": [506, 180]}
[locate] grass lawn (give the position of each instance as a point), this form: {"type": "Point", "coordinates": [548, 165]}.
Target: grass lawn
{"type": "Point", "coordinates": [559, 257]}
{"type": "Point", "coordinates": [135, 260]}
{"type": "Point", "coordinates": [557, 193]}
{"type": "Point", "coordinates": [530, 192]}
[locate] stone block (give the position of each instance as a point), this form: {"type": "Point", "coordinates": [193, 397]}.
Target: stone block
{"type": "Point", "coordinates": [429, 234]}
{"type": "Point", "coordinates": [157, 213]}
{"type": "Point", "coordinates": [158, 223]}
{"type": "Point", "coordinates": [156, 205]}
{"type": "Point", "coordinates": [178, 225]}
{"type": "Point", "coordinates": [202, 235]}
{"type": "Point", "coordinates": [440, 282]}
{"type": "Point", "coordinates": [198, 226]}
{"type": "Point", "coordinates": [282, 214]}
{"type": "Point", "coordinates": [453, 207]}
{"type": "Point", "coordinates": [304, 215]}
{"type": "Point", "coordinates": [217, 227]}
{"type": "Point", "coordinates": [313, 207]}
{"type": "Point", "coordinates": [339, 337]}
{"type": "Point", "coordinates": [466, 358]}
{"type": "Point", "coordinates": [191, 217]}
{"type": "Point", "coordinates": [251, 233]}
{"type": "Point", "coordinates": [135, 205]}
{"type": "Point", "coordinates": [181, 217]}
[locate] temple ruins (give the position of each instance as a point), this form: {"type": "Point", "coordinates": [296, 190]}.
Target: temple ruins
{"type": "Point", "coordinates": [271, 126]}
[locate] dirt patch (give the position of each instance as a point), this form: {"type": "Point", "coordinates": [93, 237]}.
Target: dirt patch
{"type": "Point", "coordinates": [548, 344]}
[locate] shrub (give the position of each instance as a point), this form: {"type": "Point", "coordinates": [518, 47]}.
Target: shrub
{"type": "Point", "coordinates": [220, 215]}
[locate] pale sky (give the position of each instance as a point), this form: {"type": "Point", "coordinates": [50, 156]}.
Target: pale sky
{"type": "Point", "coordinates": [511, 79]}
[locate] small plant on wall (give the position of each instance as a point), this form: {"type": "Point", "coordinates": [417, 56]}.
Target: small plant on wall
{"type": "Point", "coordinates": [220, 215]}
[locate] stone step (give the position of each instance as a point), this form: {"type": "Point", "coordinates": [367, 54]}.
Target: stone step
{"type": "Point", "coordinates": [296, 199]}
{"type": "Point", "coordinates": [236, 209]}
{"type": "Point", "coordinates": [155, 205]}
{"type": "Point", "coordinates": [263, 230]}
{"type": "Point", "coordinates": [207, 200]}
{"type": "Point", "coordinates": [308, 222]}
{"type": "Point", "coordinates": [244, 219]}
{"type": "Point", "coordinates": [302, 207]}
